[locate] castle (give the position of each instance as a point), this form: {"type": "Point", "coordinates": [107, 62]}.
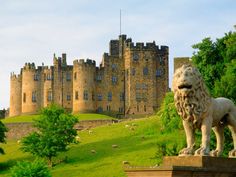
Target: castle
{"type": "Point", "coordinates": [131, 79]}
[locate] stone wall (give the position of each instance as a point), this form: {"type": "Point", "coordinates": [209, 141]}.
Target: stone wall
{"type": "Point", "coordinates": [18, 130]}
{"type": "Point", "coordinates": [132, 79]}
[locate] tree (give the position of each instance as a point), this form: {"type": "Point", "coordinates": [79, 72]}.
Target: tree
{"type": "Point", "coordinates": [3, 130]}
{"type": "Point", "coordinates": [36, 168]}
{"type": "Point", "coordinates": [226, 86]}
{"type": "Point", "coordinates": [55, 133]}
{"type": "Point", "coordinates": [212, 58]}
{"type": "Point", "coordinates": [170, 119]}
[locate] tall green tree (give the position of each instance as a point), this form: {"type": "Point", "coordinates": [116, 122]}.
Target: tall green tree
{"type": "Point", "coordinates": [3, 130]}
{"type": "Point", "coordinates": [55, 132]}
{"type": "Point", "coordinates": [170, 120]}
{"type": "Point", "coordinates": [212, 58]}
{"type": "Point", "coordinates": [226, 86]}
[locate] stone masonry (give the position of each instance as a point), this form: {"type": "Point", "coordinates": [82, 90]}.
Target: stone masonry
{"type": "Point", "coordinates": [131, 79]}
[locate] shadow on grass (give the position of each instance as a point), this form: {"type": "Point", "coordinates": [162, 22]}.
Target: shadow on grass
{"type": "Point", "coordinates": [5, 166]}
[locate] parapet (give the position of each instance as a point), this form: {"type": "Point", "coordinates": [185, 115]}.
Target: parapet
{"type": "Point", "coordinates": [87, 63]}
{"type": "Point", "coordinates": [15, 76]}
{"type": "Point", "coordinates": [29, 66]}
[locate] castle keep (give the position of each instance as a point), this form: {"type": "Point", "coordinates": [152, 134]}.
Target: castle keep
{"type": "Point", "coordinates": [131, 79]}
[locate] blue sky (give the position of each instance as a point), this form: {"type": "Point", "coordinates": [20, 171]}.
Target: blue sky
{"type": "Point", "coordinates": [31, 31]}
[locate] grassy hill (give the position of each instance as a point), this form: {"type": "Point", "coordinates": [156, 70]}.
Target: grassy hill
{"type": "Point", "coordinates": [136, 140]}
{"type": "Point", "coordinates": [29, 118]}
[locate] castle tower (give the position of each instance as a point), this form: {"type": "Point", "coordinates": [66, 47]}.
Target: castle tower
{"type": "Point", "coordinates": [47, 90]}
{"type": "Point", "coordinates": [146, 79]}
{"type": "Point", "coordinates": [31, 97]}
{"type": "Point", "coordinates": [84, 86]}
{"type": "Point", "coordinates": [179, 61]}
{"type": "Point", "coordinates": [15, 95]}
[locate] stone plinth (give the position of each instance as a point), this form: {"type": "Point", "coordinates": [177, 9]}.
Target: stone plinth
{"type": "Point", "coordinates": [188, 166]}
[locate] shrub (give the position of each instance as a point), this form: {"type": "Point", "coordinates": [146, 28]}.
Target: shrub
{"type": "Point", "coordinates": [38, 168]}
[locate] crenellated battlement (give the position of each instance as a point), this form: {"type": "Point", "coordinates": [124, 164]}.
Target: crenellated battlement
{"type": "Point", "coordinates": [29, 66]}
{"type": "Point", "coordinates": [146, 46]}
{"type": "Point", "coordinates": [15, 76]}
{"type": "Point", "coordinates": [83, 63]}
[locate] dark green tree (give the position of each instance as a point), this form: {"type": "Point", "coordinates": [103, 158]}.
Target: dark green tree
{"type": "Point", "coordinates": [212, 58]}
{"type": "Point", "coordinates": [55, 132]}
{"type": "Point", "coordinates": [38, 168]}
{"type": "Point", "coordinates": [170, 120]}
{"type": "Point", "coordinates": [226, 86]}
{"type": "Point", "coordinates": [3, 130]}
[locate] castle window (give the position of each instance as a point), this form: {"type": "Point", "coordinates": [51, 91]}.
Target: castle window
{"type": "Point", "coordinates": [99, 110]}
{"type": "Point", "coordinates": [138, 86]}
{"type": "Point", "coordinates": [99, 97]}
{"type": "Point", "coordinates": [122, 96]}
{"type": "Point", "coordinates": [24, 97]}
{"type": "Point", "coordinates": [114, 79]}
{"type": "Point", "coordinates": [109, 96]}
{"type": "Point", "coordinates": [75, 75]}
{"type": "Point", "coordinates": [114, 66]}
{"type": "Point", "coordinates": [145, 71]}
{"type": "Point", "coordinates": [158, 72]}
{"type": "Point", "coordinates": [144, 108]}
{"type": "Point", "coordinates": [161, 61]}
{"type": "Point", "coordinates": [137, 108]}
{"type": "Point", "coordinates": [135, 56]}
{"type": "Point", "coordinates": [138, 97]}
{"type": "Point", "coordinates": [49, 77]}
{"type": "Point", "coordinates": [98, 77]}
{"type": "Point", "coordinates": [85, 95]}
{"type": "Point", "coordinates": [93, 96]}
{"type": "Point", "coordinates": [108, 108]}
{"type": "Point", "coordinates": [68, 97]}
{"type": "Point", "coordinates": [121, 110]}
{"type": "Point", "coordinates": [133, 71]}
{"type": "Point", "coordinates": [36, 77]}
{"type": "Point", "coordinates": [76, 95]}
{"type": "Point", "coordinates": [34, 96]}
{"type": "Point", "coordinates": [49, 95]}
{"type": "Point", "coordinates": [68, 77]}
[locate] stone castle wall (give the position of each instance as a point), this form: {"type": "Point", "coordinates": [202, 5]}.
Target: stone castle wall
{"type": "Point", "coordinates": [131, 79]}
{"type": "Point", "coordinates": [179, 61]}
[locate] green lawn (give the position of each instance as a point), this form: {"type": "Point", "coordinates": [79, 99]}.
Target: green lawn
{"type": "Point", "coordinates": [136, 140]}
{"type": "Point", "coordinates": [89, 116]}
{"type": "Point", "coordinates": [23, 118]}
{"type": "Point", "coordinates": [29, 118]}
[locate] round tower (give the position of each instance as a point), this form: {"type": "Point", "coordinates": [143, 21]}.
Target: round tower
{"type": "Point", "coordinates": [83, 86]}
{"type": "Point", "coordinates": [30, 92]}
{"type": "Point", "coordinates": [15, 95]}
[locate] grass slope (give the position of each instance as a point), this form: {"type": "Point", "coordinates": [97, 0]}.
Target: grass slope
{"type": "Point", "coordinates": [136, 140]}
{"type": "Point", "coordinates": [30, 118]}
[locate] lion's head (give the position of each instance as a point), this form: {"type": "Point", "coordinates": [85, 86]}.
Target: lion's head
{"type": "Point", "coordinates": [190, 93]}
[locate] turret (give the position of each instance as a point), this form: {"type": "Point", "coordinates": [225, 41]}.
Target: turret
{"type": "Point", "coordinates": [83, 85]}
{"type": "Point", "coordinates": [15, 95]}
{"type": "Point", "coordinates": [31, 96]}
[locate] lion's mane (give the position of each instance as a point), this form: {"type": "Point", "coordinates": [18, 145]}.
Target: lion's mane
{"type": "Point", "coordinates": [193, 105]}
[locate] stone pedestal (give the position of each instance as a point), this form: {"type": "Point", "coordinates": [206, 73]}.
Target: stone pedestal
{"type": "Point", "coordinates": [187, 166]}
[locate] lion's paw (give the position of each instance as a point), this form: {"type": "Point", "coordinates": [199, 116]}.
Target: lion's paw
{"type": "Point", "coordinates": [232, 153]}
{"type": "Point", "coordinates": [216, 153]}
{"type": "Point", "coordinates": [201, 152]}
{"type": "Point", "coordinates": [186, 152]}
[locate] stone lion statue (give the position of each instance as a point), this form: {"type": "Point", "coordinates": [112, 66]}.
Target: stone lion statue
{"type": "Point", "coordinates": [199, 111]}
